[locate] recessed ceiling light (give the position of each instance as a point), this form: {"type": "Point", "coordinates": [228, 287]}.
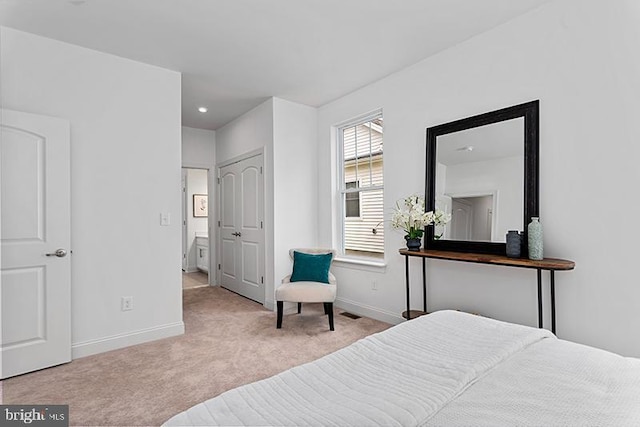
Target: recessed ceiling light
{"type": "Point", "coordinates": [203, 109]}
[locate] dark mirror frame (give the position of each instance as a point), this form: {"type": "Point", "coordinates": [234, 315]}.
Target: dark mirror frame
{"type": "Point", "coordinates": [530, 112]}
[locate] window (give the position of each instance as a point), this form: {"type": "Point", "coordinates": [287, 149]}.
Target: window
{"type": "Point", "coordinates": [352, 201]}
{"type": "Point", "coordinates": [361, 187]}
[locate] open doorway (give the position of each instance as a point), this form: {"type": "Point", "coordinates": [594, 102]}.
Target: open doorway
{"type": "Point", "coordinates": [195, 228]}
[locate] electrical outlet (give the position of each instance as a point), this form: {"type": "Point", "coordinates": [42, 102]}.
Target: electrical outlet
{"type": "Point", "coordinates": [127, 303]}
{"type": "Point", "coordinates": [374, 285]}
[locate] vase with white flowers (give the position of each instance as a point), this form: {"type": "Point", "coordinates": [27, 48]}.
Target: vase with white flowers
{"type": "Point", "coordinates": [410, 216]}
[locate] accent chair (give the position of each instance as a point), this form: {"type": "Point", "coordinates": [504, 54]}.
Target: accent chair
{"type": "Point", "coordinates": [310, 282]}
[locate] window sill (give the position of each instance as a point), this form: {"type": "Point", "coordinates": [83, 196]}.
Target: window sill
{"type": "Point", "coordinates": [360, 263]}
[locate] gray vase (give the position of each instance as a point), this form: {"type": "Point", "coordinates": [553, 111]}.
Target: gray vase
{"type": "Point", "coordinates": [514, 244]}
{"type": "Point", "coordinates": [534, 230]}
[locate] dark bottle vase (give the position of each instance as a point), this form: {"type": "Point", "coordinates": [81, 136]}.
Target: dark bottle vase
{"type": "Point", "coordinates": [514, 244]}
{"type": "Point", "coordinates": [413, 244]}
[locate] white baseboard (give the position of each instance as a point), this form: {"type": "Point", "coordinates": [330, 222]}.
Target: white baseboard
{"type": "Point", "coordinates": [368, 311]}
{"type": "Point", "coordinates": [114, 342]}
{"type": "Point", "coordinates": [270, 305]}
{"type": "Point", "coordinates": [350, 306]}
{"type": "Point", "coordinates": [288, 308]}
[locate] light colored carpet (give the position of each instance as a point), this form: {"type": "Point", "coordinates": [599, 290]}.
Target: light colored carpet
{"type": "Point", "coordinates": [194, 280]}
{"type": "Point", "coordinates": [229, 341]}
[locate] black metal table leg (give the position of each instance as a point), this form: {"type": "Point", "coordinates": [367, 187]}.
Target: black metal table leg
{"type": "Point", "coordinates": [424, 285]}
{"type": "Point", "coordinates": [553, 301]}
{"type": "Point", "coordinates": [539, 298]}
{"type": "Point", "coordinates": [406, 270]}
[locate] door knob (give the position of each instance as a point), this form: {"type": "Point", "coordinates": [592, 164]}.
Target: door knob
{"type": "Point", "coordinates": [236, 234]}
{"type": "Point", "coordinates": [60, 253]}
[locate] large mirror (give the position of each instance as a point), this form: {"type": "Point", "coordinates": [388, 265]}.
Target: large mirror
{"type": "Point", "coordinates": [483, 172]}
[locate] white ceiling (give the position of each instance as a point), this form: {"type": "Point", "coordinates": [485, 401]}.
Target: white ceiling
{"type": "Point", "coordinates": [234, 54]}
{"type": "Point", "coordinates": [489, 142]}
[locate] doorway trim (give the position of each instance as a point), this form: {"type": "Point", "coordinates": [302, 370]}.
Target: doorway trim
{"type": "Point", "coordinates": [210, 216]}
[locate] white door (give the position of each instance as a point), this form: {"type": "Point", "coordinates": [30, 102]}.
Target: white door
{"type": "Point", "coordinates": [35, 233]}
{"type": "Point", "coordinates": [241, 228]}
{"type": "Point", "coordinates": [461, 219]}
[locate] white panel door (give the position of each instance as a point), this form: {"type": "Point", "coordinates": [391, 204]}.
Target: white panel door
{"type": "Point", "coordinates": [461, 219]}
{"type": "Point", "coordinates": [241, 228]}
{"type": "Point", "coordinates": [35, 285]}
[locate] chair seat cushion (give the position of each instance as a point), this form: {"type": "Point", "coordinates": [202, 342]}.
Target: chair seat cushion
{"type": "Point", "coordinates": [306, 292]}
{"type": "Point", "coordinates": [311, 267]}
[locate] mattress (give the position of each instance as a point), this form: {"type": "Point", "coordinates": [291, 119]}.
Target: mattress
{"type": "Point", "coordinates": [447, 368]}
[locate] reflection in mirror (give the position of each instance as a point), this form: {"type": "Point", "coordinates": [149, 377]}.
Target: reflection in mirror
{"type": "Point", "coordinates": [471, 218]}
{"type": "Point", "coordinates": [483, 171]}
{"type": "Point", "coordinates": [480, 181]}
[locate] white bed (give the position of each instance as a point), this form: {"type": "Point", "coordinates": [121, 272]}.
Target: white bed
{"type": "Point", "coordinates": [447, 368]}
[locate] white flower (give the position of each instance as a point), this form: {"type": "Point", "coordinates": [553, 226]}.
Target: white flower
{"type": "Point", "coordinates": [410, 216]}
{"type": "Point", "coordinates": [441, 218]}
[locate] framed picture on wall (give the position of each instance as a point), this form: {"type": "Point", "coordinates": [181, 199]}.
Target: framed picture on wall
{"type": "Point", "coordinates": [200, 207]}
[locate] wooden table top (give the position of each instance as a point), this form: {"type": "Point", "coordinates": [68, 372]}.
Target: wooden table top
{"type": "Point", "coordinates": [544, 264]}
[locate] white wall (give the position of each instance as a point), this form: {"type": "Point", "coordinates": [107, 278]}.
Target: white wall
{"type": "Point", "coordinates": [295, 182]}
{"type": "Point", "coordinates": [125, 169]}
{"type": "Point", "coordinates": [196, 183]}
{"type": "Point", "coordinates": [198, 148]}
{"type": "Point", "coordinates": [251, 131]}
{"type": "Point", "coordinates": [286, 132]}
{"type": "Point", "coordinates": [581, 59]}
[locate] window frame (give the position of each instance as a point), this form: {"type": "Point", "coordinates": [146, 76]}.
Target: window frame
{"type": "Point", "coordinates": [342, 190]}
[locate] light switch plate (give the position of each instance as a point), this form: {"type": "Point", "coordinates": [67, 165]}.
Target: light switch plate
{"type": "Point", "coordinates": [165, 219]}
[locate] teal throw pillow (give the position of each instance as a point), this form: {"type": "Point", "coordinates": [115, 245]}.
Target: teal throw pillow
{"type": "Point", "coordinates": [311, 268]}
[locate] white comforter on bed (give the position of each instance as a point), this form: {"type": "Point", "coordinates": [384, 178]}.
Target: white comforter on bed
{"type": "Point", "coordinates": [551, 383]}
{"type": "Point", "coordinates": [445, 368]}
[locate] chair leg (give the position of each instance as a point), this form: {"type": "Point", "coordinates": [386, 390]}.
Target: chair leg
{"type": "Point", "coordinates": [279, 322]}
{"type": "Point", "coordinates": [299, 307]}
{"type": "Point", "coordinates": [326, 308]}
{"type": "Point", "coordinates": [329, 306]}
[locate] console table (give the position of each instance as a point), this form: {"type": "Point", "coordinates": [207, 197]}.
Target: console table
{"type": "Point", "coordinates": [550, 264]}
